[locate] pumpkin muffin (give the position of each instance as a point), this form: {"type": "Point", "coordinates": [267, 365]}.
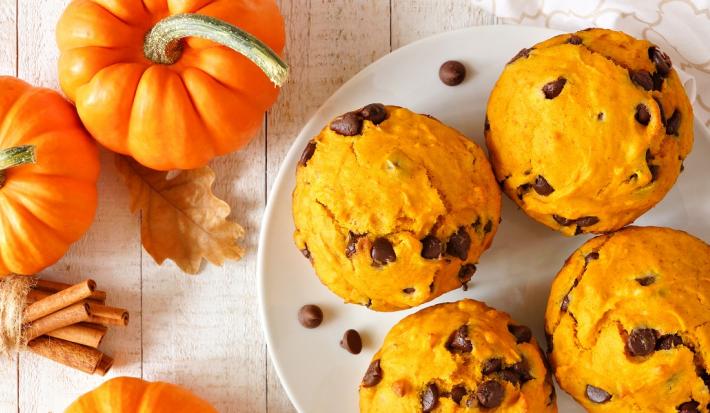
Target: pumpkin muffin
{"type": "Point", "coordinates": [588, 131]}
{"type": "Point", "coordinates": [458, 357]}
{"type": "Point", "coordinates": [393, 208]}
{"type": "Point", "coordinates": [628, 321]}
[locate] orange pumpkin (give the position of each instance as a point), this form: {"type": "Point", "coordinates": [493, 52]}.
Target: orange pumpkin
{"type": "Point", "coordinates": [48, 171]}
{"type": "Point", "coordinates": [172, 83]}
{"type": "Point", "coordinates": [129, 395]}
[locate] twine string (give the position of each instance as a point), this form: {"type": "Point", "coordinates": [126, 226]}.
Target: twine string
{"type": "Point", "coordinates": [13, 299]}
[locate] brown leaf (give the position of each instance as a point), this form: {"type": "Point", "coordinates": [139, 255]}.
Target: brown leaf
{"type": "Point", "coordinates": [182, 219]}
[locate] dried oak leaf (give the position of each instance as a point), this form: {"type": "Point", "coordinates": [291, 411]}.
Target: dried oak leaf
{"type": "Point", "coordinates": [182, 219]}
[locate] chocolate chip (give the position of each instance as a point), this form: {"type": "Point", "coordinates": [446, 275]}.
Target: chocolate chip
{"type": "Point", "coordinates": [574, 39]}
{"type": "Point", "coordinates": [542, 187]}
{"type": "Point", "coordinates": [660, 109]}
{"type": "Point", "coordinates": [653, 169]}
{"type": "Point", "coordinates": [374, 112]}
{"type": "Point", "coordinates": [642, 341]}
{"type": "Point", "coordinates": [382, 252]}
{"type": "Point", "coordinates": [646, 281]}
{"type": "Point", "coordinates": [490, 394]}
{"type": "Point", "coordinates": [562, 220]}
{"type": "Point", "coordinates": [643, 116]}
{"type": "Point", "coordinates": [523, 189]}
{"type": "Point", "coordinates": [673, 123]}
{"type": "Point", "coordinates": [641, 78]}
{"type": "Point", "coordinates": [373, 375]}
{"type": "Point", "coordinates": [351, 247]}
{"type": "Point", "coordinates": [600, 116]}
{"type": "Point", "coordinates": [488, 227]}
{"type": "Point", "coordinates": [310, 316]}
{"type": "Point", "coordinates": [458, 342]}
{"type": "Point", "coordinates": [432, 247]}
{"type": "Point", "coordinates": [510, 376]}
{"type": "Point", "coordinates": [565, 303]}
{"type": "Point", "coordinates": [689, 407]}
{"type": "Point", "coordinates": [657, 81]}
{"type": "Point", "coordinates": [491, 366]}
{"type": "Point", "coordinates": [349, 124]}
{"type": "Point", "coordinates": [306, 253]}
{"type": "Point", "coordinates": [307, 153]}
{"type": "Point", "coordinates": [486, 124]}
{"type": "Point", "coordinates": [522, 53]}
{"type": "Point", "coordinates": [466, 273]}
{"type": "Point", "coordinates": [351, 342]}
{"type": "Point", "coordinates": [522, 334]}
{"type": "Point", "coordinates": [661, 60]}
{"type": "Point", "coordinates": [597, 395]}
{"type": "Point", "coordinates": [430, 397]}
{"type": "Point", "coordinates": [458, 244]}
{"type": "Point", "coordinates": [586, 221]}
{"type": "Point", "coordinates": [452, 73]}
{"type": "Point", "coordinates": [554, 88]}
{"type": "Point", "coordinates": [408, 290]}
{"type": "Point", "coordinates": [517, 373]}
{"type": "Point", "coordinates": [458, 392]}
{"type": "Point", "coordinates": [591, 257]}
{"type": "Point", "coordinates": [668, 341]}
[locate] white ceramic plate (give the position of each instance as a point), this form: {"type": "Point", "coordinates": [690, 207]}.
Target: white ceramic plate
{"type": "Point", "coordinates": [514, 275]}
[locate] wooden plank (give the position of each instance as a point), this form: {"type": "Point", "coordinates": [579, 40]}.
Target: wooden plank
{"type": "Point", "coordinates": [109, 253]}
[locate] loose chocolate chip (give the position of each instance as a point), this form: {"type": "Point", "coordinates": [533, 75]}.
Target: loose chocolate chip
{"type": "Point", "coordinates": [565, 303]}
{"type": "Point", "coordinates": [641, 78]}
{"type": "Point", "coordinates": [646, 281]}
{"type": "Point", "coordinates": [554, 88]}
{"type": "Point", "coordinates": [657, 81]}
{"type": "Point", "coordinates": [661, 60]}
{"type": "Point", "coordinates": [522, 53]}
{"type": "Point", "coordinates": [408, 290]}
{"type": "Point", "coordinates": [562, 220]}
{"type": "Point", "coordinates": [374, 112]}
{"type": "Point", "coordinates": [668, 341]}
{"type": "Point", "coordinates": [522, 334]}
{"type": "Point", "coordinates": [490, 394]}
{"type": "Point", "coordinates": [306, 253]}
{"type": "Point", "coordinates": [458, 342]}
{"type": "Point", "coordinates": [574, 39]}
{"type": "Point", "coordinates": [458, 244]}
{"type": "Point", "coordinates": [307, 153]}
{"type": "Point", "coordinates": [452, 73]}
{"type": "Point", "coordinates": [597, 395]}
{"type": "Point", "coordinates": [491, 366]}
{"type": "Point", "coordinates": [543, 187]}
{"type": "Point", "coordinates": [351, 342]}
{"type": "Point", "coordinates": [458, 392]}
{"type": "Point", "coordinates": [430, 397]}
{"type": "Point", "coordinates": [689, 407]}
{"type": "Point", "coordinates": [432, 247]}
{"type": "Point", "coordinates": [642, 341]}
{"type": "Point", "coordinates": [349, 124]}
{"type": "Point", "coordinates": [586, 221]}
{"type": "Point", "coordinates": [488, 227]}
{"type": "Point", "coordinates": [643, 116]}
{"type": "Point", "coordinates": [373, 375]}
{"type": "Point", "coordinates": [382, 252]}
{"type": "Point", "coordinates": [591, 257]}
{"type": "Point", "coordinates": [673, 123]}
{"type": "Point", "coordinates": [310, 316]}
{"type": "Point", "coordinates": [351, 247]}
{"type": "Point", "coordinates": [660, 109]}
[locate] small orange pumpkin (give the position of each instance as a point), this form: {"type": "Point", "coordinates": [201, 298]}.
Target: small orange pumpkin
{"type": "Point", "coordinates": [172, 83]}
{"type": "Point", "coordinates": [48, 171]}
{"type": "Point", "coordinates": [130, 395]}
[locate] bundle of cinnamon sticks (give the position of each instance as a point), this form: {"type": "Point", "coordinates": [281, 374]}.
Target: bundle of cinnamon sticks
{"type": "Point", "coordinates": [66, 323]}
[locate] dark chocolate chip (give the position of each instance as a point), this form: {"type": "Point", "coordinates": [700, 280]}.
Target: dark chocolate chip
{"type": "Point", "coordinates": [310, 316]}
{"type": "Point", "coordinates": [661, 60]}
{"type": "Point", "coordinates": [523, 189]}
{"type": "Point", "coordinates": [600, 116]}
{"type": "Point", "coordinates": [306, 253]}
{"type": "Point", "coordinates": [641, 78]}
{"type": "Point", "coordinates": [408, 290]}
{"type": "Point", "coordinates": [522, 369]}
{"type": "Point", "coordinates": [458, 342]}
{"type": "Point", "coordinates": [488, 227]}
{"type": "Point", "coordinates": [689, 407]}
{"type": "Point", "coordinates": [643, 116]}
{"type": "Point", "coordinates": [491, 366]}
{"type": "Point", "coordinates": [646, 281]}
{"type": "Point", "coordinates": [458, 392]}
{"type": "Point", "coordinates": [642, 341]}
{"type": "Point", "coordinates": [554, 88]}
{"type": "Point", "coordinates": [452, 73]}
{"type": "Point", "coordinates": [660, 109]}
{"type": "Point", "coordinates": [574, 39]}
{"type": "Point", "coordinates": [351, 247]}
{"type": "Point", "coordinates": [591, 257]}
{"type": "Point", "coordinates": [510, 376]}
{"type": "Point", "coordinates": [351, 342]}
{"type": "Point", "coordinates": [562, 220]}
{"type": "Point", "coordinates": [382, 252]}
{"type": "Point", "coordinates": [565, 303]}
{"type": "Point", "coordinates": [374, 112]}
{"type": "Point", "coordinates": [458, 244]}
{"type": "Point", "coordinates": [490, 394]}
{"type": "Point", "coordinates": [578, 230]}
{"type": "Point", "coordinates": [430, 397]}
{"type": "Point", "coordinates": [349, 124]}
{"type": "Point", "coordinates": [668, 341]}
{"type": "Point", "coordinates": [432, 247]}
{"type": "Point", "coordinates": [586, 221]}
{"type": "Point", "coordinates": [653, 169]}
{"type": "Point", "coordinates": [597, 395]}
{"type": "Point", "coordinates": [522, 53]}
{"type": "Point", "coordinates": [522, 334]}
{"type": "Point", "coordinates": [673, 123]}
{"type": "Point", "coordinates": [657, 81]}
{"type": "Point", "coordinates": [373, 375]}
{"type": "Point", "coordinates": [543, 187]}
{"type": "Point", "coordinates": [307, 153]}
{"type": "Point", "coordinates": [466, 273]}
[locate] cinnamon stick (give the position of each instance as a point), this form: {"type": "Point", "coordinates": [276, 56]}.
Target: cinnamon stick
{"type": "Point", "coordinates": [104, 365]}
{"type": "Point", "coordinates": [65, 317]}
{"type": "Point", "coordinates": [36, 295]}
{"type": "Point", "coordinates": [82, 333]}
{"type": "Point", "coordinates": [55, 287]}
{"type": "Point", "coordinates": [58, 301]}
{"type": "Point", "coordinates": [70, 354]}
{"type": "Point", "coordinates": [109, 315]}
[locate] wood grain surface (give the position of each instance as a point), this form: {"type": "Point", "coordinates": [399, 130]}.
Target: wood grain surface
{"type": "Point", "coordinates": [203, 332]}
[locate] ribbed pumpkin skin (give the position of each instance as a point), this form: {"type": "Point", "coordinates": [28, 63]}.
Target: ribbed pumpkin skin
{"type": "Point", "coordinates": [177, 116]}
{"type": "Point", "coordinates": [131, 395]}
{"type": "Point", "coordinates": [46, 206]}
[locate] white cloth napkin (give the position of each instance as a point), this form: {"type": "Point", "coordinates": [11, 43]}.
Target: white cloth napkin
{"type": "Point", "coordinates": [681, 28]}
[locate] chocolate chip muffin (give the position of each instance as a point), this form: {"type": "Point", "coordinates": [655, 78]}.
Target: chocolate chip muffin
{"type": "Point", "coordinates": [458, 357]}
{"type": "Point", "coordinates": [628, 321]}
{"type": "Point", "coordinates": [587, 131]}
{"type": "Point", "coordinates": [393, 208]}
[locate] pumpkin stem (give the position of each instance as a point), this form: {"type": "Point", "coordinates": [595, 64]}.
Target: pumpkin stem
{"type": "Point", "coordinates": [163, 42]}
{"type": "Point", "coordinates": [12, 157]}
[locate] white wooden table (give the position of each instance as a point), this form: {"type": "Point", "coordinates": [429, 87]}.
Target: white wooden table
{"type": "Point", "coordinates": [203, 331]}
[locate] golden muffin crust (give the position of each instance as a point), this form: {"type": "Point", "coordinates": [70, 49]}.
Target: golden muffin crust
{"type": "Point", "coordinates": [588, 131]}
{"type": "Point", "coordinates": [398, 212]}
{"type": "Point", "coordinates": [628, 319]}
{"type": "Point", "coordinates": [458, 357]}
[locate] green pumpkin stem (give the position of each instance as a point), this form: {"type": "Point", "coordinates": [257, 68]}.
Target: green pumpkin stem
{"type": "Point", "coordinates": [163, 42]}
{"type": "Point", "coordinates": [16, 156]}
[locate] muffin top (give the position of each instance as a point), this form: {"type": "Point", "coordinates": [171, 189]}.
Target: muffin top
{"type": "Point", "coordinates": [458, 357]}
{"type": "Point", "coordinates": [587, 131]}
{"type": "Point", "coordinates": [393, 208]}
{"type": "Point", "coordinates": [629, 322]}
